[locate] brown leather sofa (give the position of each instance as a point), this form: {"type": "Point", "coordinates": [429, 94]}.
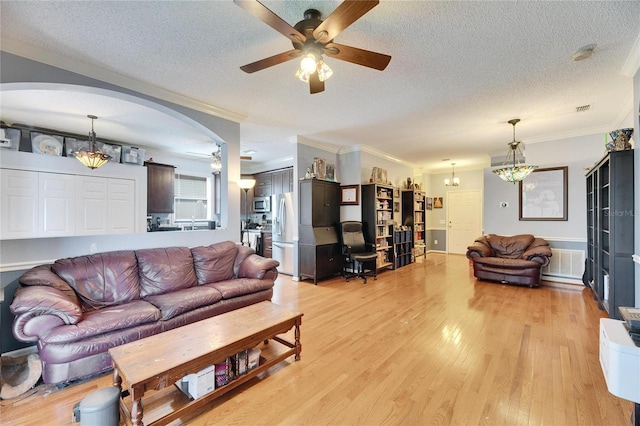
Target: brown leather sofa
{"type": "Point", "coordinates": [516, 259]}
{"type": "Point", "coordinates": [77, 308]}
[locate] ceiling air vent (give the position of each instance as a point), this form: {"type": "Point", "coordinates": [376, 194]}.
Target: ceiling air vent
{"type": "Point", "coordinates": [583, 108]}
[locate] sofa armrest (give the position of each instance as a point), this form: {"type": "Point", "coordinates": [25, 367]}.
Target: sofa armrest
{"type": "Point", "coordinates": [32, 302]}
{"type": "Point", "coordinates": [478, 249]}
{"type": "Point", "coordinates": [539, 252]}
{"type": "Point", "coordinates": [255, 266]}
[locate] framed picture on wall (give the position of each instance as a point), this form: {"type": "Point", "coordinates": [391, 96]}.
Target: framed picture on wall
{"type": "Point", "coordinates": [543, 195]}
{"type": "Point", "coordinates": [349, 195]}
{"type": "Point", "coordinates": [438, 203]}
{"type": "Point", "coordinates": [429, 203]}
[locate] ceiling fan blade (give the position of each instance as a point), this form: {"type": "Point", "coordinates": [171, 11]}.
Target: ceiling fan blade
{"type": "Point", "coordinates": [357, 56]}
{"type": "Point", "coordinates": [315, 85]}
{"type": "Point", "coordinates": [261, 12]}
{"type": "Point", "coordinates": [271, 61]}
{"type": "Point", "coordinates": [346, 14]}
{"type": "Point", "coordinates": [245, 157]}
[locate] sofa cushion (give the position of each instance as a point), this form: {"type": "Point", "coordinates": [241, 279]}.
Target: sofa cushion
{"type": "Point", "coordinates": [509, 247]}
{"type": "Point", "coordinates": [240, 286]}
{"type": "Point", "coordinates": [180, 301]}
{"type": "Point", "coordinates": [94, 323]}
{"type": "Point", "coordinates": [215, 262]}
{"type": "Point", "coordinates": [164, 270]}
{"type": "Point", "coordinates": [506, 263]}
{"type": "Point", "coordinates": [102, 279]}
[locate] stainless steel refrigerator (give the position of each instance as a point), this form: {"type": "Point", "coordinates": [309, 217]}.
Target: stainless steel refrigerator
{"type": "Point", "coordinates": [282, 231]}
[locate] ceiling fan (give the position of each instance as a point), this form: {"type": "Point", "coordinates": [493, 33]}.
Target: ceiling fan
{"type": "Point", "coordinates": [312, 37]}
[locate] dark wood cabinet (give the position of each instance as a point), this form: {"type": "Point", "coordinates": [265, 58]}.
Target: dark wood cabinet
{"type": "Point", "coordinates": [160, 185]}
{"type": "Point", "coordinates": [610, 231]}
{"type": "Point", "coordinates": [267, 245]}
{"type": "Point", "coordinates": [263, 185]}
{"type": "Point", "coordinates": [319, 203]}
{"type": "Point", "coordinates": [319, 244]}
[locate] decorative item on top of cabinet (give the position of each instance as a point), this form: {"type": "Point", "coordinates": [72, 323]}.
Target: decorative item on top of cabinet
{"type": "Point", "coordinates": [610, 231]}
{"type": "Point", "coordinates": [160, 186]}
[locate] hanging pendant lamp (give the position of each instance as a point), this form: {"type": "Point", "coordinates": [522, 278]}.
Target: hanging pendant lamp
{"type": "Point", "coordinates": [512, 169]}
{"type": "Point", "coordinates": [454, 181]}
{"type": "Point", "coordinates": [94, 158]}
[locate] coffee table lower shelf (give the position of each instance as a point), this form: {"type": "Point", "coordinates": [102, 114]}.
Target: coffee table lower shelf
{"type": "Point", "coordinates": [189, 349]}
{"type": "Point", "coordinates": [160, 409]}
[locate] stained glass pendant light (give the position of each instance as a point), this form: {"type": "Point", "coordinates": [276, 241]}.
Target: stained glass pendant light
{"type": "Point", "coordinates": [94, 158]}
{"type": "Point", "coordinates": [512, 169]}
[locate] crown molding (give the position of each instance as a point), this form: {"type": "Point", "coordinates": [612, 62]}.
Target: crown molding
{"type": "Point", "coordinates": [632, 64]}
{"type": "Point", "coordinates": [44, 56]}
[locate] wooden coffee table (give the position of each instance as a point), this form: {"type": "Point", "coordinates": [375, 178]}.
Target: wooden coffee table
{"type": "Point", "coordinates": [161, 360]}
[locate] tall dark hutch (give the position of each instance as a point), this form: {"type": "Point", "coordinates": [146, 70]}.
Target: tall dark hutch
{"type": "Point", "coordinates": [319, 245]}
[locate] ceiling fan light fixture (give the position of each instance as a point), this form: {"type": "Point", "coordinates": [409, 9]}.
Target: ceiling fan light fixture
{"type": "Point", "coordinates": [308, 63]}
{"type": "Point", "coordinates": [512, 169]}
{"type": "Point", "coordinates": [323, 70]}
{"type": "Point", "coordinates": [94, 158]}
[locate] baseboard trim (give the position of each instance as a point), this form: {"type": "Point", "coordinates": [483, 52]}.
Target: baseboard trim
{"type": "Point", "coordinates": [22, 352]}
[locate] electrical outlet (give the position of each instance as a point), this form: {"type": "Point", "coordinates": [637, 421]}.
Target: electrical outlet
{"type": "Point", "coordinates": [435, 242]}
{"type": "Point", "coordinates": [504, 204]}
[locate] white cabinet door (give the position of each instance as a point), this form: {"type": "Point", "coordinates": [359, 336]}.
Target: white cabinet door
{"type": "Point", "coordinates": [18, 204]}
{"type": "Point", "coordinates": [91, 205]}
{"type": "Point", "coordinates": [56, 205]}
{"type": "Point", "coordinates": [121, 206]}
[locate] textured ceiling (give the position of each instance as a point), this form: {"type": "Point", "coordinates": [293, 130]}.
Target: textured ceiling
{"type": "Point", "coordinates": [459, 71]}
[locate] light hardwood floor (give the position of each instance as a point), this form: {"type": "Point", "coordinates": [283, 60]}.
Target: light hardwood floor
{"type": "Point", "coordinates": [425, 344]}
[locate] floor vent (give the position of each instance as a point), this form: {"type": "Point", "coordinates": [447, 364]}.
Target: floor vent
{"type": "Point", "coordinates": [565, 263]}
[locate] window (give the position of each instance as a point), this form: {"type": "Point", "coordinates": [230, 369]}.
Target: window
{"type": "Point", "coordinates": [192, 198]}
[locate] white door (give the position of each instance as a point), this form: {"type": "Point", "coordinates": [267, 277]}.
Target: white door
{"type": "Point", "coordinates": [57, 205]}
{"type": "Point", "coordinates": [121, 206]}
{"type": "Point", "coordinates": [91, 205]}
{"type": "Point", "coordinates": [464, 220]}
{"type": "Point", "coordinates": [18, 204]}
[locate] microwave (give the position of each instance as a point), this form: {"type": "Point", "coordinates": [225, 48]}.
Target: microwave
{"type": "Point", "coordinates": [262, 204]}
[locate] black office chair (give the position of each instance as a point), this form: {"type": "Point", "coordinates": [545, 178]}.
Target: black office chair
{"type": "Point", "coordinates": [359, 258]}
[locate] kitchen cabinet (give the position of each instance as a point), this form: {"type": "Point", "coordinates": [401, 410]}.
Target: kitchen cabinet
{"type": "Point", "coordinates": [282, 181]}
{"type": "Point", "coordinates": [160, 187]}
{"type": "Point", "coordinates": [104, 206]}
{"type": "Point", "coordinates": [56, 205]}
{"type": "Point", "coordinates": [267, 250]}
{"type": "Point", "coordinates": [121, 213]}
{"type": "Point", "coordinates": [263, 185]}
{"type": "Point", "coordinates": [41, 205]}
{"type": "Point", "coordinates": [19, 204]}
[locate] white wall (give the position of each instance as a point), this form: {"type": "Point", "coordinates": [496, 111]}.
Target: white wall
{"type": "Point", "coordinates": [577, 153]}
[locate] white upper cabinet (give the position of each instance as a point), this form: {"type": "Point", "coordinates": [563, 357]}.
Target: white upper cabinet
{"type": "Point", "coordinates": [121, 212]}
{"type": "Point", "coordinates": [41, 205]}
{"type": "Point", "coordinates": [18, 204]}
{"type": "Point", "coordinates": [56, 205]}
{"type": "Point", "coordinates": [91, 205]}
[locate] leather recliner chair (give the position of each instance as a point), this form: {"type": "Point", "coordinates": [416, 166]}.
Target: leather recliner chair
{"type": "Point", "coordinates": [516, 259]}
